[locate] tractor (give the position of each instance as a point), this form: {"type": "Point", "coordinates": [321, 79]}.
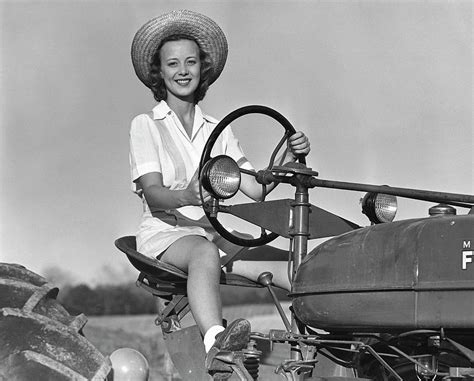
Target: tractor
{"type": "Point", "coordinates": [391, 301]}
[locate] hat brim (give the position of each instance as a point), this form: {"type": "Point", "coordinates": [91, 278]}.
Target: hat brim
{"type": "Point", "coordinates": [209, 36]}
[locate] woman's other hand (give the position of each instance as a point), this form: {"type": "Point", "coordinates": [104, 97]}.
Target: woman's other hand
{"type": "Point", "coordinates": [298, 144]}
{"type": "Point", "coordinates": [192, 195]}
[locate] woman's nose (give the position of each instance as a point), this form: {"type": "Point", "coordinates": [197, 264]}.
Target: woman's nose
{"type": "Point", "coordinates": [183, 69]}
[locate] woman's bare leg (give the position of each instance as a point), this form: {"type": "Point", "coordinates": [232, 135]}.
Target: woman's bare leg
{"type": "Point", "coordinates": [200, 259]}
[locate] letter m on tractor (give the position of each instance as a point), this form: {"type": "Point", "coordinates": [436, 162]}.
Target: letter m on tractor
{"type": "Point", "coordinates": [466, 254]}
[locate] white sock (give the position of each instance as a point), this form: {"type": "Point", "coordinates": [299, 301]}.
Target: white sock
{"type": "Point", "coordinates": [210, 336]}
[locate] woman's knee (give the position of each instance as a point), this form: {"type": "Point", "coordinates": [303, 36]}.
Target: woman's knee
{"type": "Point", "coordinates": [205, 251]}
{"type": "Point", "coordinates": [188, 250]}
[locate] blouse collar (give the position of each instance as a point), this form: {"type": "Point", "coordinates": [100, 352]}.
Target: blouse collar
{"type": "Point", "coordinates": [161, 110]}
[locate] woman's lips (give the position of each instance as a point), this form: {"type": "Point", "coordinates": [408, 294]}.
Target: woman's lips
{"type": "Point", "coordinates": [183, 82]}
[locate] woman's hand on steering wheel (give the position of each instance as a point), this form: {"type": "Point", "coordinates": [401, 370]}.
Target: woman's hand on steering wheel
{"type": "Point", "coordinates": [298, 144]}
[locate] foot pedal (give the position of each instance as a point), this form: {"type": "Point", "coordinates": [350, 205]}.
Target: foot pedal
{"type": "Point", "coordinates": [221, 364]}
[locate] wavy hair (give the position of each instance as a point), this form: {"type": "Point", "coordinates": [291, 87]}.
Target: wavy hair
{"type": "Point", "coordinates": [158, 87]}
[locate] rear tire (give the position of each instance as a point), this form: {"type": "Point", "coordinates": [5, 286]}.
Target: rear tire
{"type": "Point", "coordinates": [40, 339]}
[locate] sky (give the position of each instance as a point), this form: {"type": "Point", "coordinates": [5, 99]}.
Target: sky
{"type": "Point", "coordinates": [383, 89]}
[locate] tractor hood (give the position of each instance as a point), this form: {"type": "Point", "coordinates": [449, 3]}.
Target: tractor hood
{"type": "Point", "coordinates": [408, 274]}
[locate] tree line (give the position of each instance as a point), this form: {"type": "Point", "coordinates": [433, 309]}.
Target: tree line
{"type": "Point", "coordinates": [129, 299]}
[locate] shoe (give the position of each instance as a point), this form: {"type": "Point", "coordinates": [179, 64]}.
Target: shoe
{"type": "Point", "coordinates": [235, 337]}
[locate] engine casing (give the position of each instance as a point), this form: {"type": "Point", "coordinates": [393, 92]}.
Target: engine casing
{"type": "Point", "coordinates": [403, 275]}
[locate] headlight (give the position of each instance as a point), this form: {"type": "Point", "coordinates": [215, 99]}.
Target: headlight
{"type": "Point", "coordinates": [379, 207]}
{"type": "Point", "coordinates": [221, 177]}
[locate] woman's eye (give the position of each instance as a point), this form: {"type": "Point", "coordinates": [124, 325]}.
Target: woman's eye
{"type": "Point", "coordinates": [172, 64]}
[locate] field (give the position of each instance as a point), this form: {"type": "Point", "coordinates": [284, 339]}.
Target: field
{"type": "Point", "coordinates": [139, 332]}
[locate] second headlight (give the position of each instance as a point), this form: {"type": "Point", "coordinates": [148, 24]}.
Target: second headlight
{"type": "Point", "coordinates": [379, 207]}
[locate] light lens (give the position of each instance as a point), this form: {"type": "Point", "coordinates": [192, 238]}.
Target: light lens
{"type": "Point", "coordinates": [221, 177]}
{"type": "Point", "coordinates": [379, 207]}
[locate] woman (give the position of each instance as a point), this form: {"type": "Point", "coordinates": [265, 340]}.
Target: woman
{"type": "Point", "coordinates": [178, 55]}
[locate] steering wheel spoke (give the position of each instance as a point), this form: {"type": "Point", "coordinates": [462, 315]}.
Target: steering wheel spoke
{"type": "Point", "coordinates": [248, 172]}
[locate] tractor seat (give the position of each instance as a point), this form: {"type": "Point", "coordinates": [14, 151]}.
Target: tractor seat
{"type": "Point", "coordinates": [163, 279]}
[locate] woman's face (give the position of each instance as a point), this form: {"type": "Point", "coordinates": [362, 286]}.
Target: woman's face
{"type": "Point", "coordinates": [180, 68]}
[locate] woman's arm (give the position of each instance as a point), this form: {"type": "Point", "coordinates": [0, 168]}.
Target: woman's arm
{"type": "Point", "coordinates": [298, 144]}
{"type": "Point", "coordinates": [159, 197]}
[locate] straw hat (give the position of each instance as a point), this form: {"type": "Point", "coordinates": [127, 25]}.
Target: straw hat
{"type": "Point", "coordinates": [206, 32]}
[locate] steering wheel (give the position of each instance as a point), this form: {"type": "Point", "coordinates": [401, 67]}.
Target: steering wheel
{"type": "Point", "coordinates": [206, 155]}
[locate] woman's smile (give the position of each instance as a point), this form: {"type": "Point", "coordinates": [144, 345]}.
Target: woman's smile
{"type": "Point", "coordinates": [183, 82]}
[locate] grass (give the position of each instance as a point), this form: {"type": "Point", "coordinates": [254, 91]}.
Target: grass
{"type": "Point", "coordinates": [139, 332]}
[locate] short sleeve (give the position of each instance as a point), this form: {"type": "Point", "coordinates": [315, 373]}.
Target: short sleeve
{"type": "Point", "coordinates": [144, 146]}
{"type": "Point", "coordinates": [233, 149]}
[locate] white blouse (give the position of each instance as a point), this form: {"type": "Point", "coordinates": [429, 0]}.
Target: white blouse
{"type": "Point", "coordinates": [159, 143]}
